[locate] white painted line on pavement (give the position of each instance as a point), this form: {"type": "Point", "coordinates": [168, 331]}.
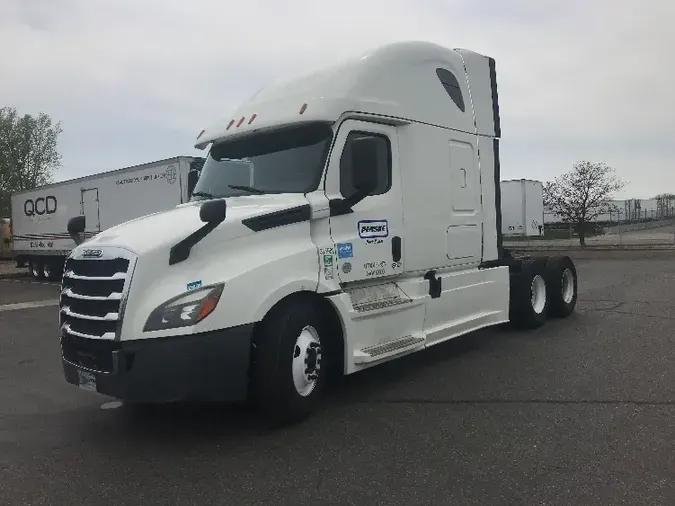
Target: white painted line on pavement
{"type": "Point", "coordinates": [29, 305]}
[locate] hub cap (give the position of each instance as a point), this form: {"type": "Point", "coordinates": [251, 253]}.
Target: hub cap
{"type": "Point", "coordinates": [47, 271]}
{"type": "Point", "coordinates": [306, 361]}
{"type": "Point", "coordinates": [567, 286]}
{"type": "Point", "coordinates": [538, 294]}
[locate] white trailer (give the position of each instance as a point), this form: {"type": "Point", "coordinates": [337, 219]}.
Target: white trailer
{"type": "Point", "coordinates": [40, 216]}
{"type": "Point", "coordinates": [342, 220]}
{"type": "Point", "coordinates": [522, 207]}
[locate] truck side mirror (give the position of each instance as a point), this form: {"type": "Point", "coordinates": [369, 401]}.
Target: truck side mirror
{"type": "Point", "coordinates": [75, 227]}
{"type": "Point", "coordinates": [213, 211]}
{"type": "Point", "coordinates": [364, 164]}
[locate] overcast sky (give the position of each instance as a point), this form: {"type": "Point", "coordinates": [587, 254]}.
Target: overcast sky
{"type": "Point", "coordinates": [134, 81]}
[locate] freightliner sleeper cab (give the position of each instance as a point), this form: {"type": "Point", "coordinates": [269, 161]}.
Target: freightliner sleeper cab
{"type": "Point", "coordinates": [341, 220]}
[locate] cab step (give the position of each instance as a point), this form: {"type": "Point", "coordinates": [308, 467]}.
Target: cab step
{"type": "Point", "coordinates": [379, 304]}
{"type": "Point", "coordinates": [388, 349]}
{"type": "Point", "coordinates": [371, 298]}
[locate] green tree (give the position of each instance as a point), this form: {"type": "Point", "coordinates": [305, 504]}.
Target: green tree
{"type": "Point", "coordinates": [28, 153]}
{"type": "Point", "coordinates": [582, 194]}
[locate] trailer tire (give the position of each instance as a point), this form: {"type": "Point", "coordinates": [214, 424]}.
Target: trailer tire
{"type": "Point", "coordinates": [529, 295]}
{"type": "Point", "coordinates": [289, 366]}
{"type": "Point", "coordinates": [53, 269]}
{"type": "Point", "coordinates": [36, 268]}
{"type": "Point", "coordinates": [50, 270]}
{"type": "Point", "coordinates": [562, 286]}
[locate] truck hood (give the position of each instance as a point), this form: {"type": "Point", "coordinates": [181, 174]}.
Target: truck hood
{"type": "Point", "coordinates": [164, 229]}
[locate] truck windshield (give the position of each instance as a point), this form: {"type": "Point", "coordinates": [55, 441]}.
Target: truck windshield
{"type": "Point", "coordinates": [290, 160]}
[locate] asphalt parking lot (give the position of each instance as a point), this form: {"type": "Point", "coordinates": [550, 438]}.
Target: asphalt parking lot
{"type": "Point", "coordinates": [578, 412]}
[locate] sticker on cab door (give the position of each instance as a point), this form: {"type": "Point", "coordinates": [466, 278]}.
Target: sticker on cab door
{"type": "Point", "coordinates": [372, 229]}
{"type": "Point", "coordinates": [345, 250]}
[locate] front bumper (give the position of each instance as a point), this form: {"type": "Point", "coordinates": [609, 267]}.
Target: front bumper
{"type": "Point", "coordinates": [208, 367]}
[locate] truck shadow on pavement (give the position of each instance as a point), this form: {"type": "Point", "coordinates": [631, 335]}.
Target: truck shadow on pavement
{"type": "Point", "coordinates": [189, 424]}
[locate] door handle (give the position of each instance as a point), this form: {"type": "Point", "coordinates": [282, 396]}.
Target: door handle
{"type": "Point", "coordinates": [464, 174]}
{"type": "Point", "coordinates": [396, 248]}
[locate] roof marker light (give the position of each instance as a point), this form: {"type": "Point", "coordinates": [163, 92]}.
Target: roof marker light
{"type": "Point", "coordinates": [303, 108]}
{"type": "Point", "coordinates": [252, 118]}
{"type": "Point", "coordinates": [230, 124]}
{"type": "Point", "coordinates": [240, 121]}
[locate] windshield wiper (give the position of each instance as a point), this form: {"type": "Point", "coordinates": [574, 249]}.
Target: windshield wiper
{"type": "Point", "coordinates": [257, 191]}
{"type": "Point", "coordinates": [203, 194]}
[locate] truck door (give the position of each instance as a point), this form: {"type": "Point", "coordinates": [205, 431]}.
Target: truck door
{"type": "Point", "coordinates": [90, 210]}
{"type": "Point", "coordinates": [367, 235]}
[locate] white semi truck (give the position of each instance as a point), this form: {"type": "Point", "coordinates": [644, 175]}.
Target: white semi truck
{"type": "Point", "coordinates": [342, 220]}
{"type": "Point", "coordinates": [40, 216]}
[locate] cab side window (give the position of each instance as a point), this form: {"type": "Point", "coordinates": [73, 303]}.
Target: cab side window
{"type": "Point", "coordinates": [369, 152]}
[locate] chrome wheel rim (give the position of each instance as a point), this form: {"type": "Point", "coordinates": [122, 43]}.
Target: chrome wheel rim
{"type": "Point", "coordinates": [538, 294]}
{"type": "Point", "coordinates": [306, 361]}
{"type": "Point", "coordinates": [567, 286]}
{"type": "Point", "coordinates": [46, 270]}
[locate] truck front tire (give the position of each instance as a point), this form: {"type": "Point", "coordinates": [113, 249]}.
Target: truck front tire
{"type": "Point", "coordinates": [289, 364]}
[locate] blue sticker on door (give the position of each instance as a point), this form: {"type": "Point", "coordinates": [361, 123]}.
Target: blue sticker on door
{"type": "Point", "coordinates": [345, 250]}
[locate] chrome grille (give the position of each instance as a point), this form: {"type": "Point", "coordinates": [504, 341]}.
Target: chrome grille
{"type": "Point", "coordinates": [93, 293]}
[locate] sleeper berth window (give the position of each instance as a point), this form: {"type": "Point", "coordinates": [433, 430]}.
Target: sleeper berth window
{"type": "Point", "coordinates": [451, 85]}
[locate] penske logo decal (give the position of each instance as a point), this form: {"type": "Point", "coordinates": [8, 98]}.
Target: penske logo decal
{"type": "Point", "coordinates": [369, 229]}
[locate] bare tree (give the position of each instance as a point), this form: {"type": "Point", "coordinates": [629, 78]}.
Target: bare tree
{"type": "Point", "coordinates": [582, 194]}
{"type": "Point", "coordinates": [665, 205]}
{"type": "Point", "coordinates": [28, 153]}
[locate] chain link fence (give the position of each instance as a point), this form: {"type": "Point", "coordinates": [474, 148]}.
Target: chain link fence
{"type": "Point", "coordinates": [641, 228]}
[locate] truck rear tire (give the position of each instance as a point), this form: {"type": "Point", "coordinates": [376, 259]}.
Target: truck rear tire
{"type": "Point", "coordinates": [562, 286]}
{"type": "Point", "coordinates": [529, 295]}
{"type": "Point", "coordinates": [288, 369]}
